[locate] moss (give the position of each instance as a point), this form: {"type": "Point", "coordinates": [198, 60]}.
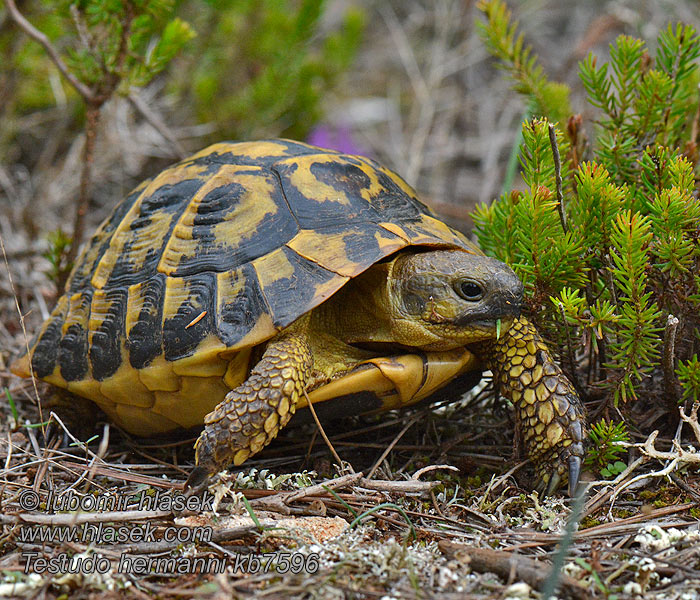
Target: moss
{"type": "Point", "coordinates": [588, 522]}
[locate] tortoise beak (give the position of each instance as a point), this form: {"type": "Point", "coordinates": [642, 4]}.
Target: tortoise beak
{"type": "Point", "coordinates": [502, 305]}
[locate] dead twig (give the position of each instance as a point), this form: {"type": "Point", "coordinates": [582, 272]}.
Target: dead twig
{"type": "Point", "coordinates": [557, 173]}
{"type": "Point", "coordinates": [692, 419]}
{"type": "Point", "coordinates": [24, 332]}
{"type": "Point", "coordinates": [669, 354]}
{"type": "Point", "coordinates": [390, 447]}
{"type": "Point", "coordinates": [119, 475]}
{"type": "Point", "coordinates": [94, 98]}
{"type": "Point", "coordinates": [410, 486]}
{"type": "Point", "coordinates": [156, 122]}
{"type": "Point", "coordinates": [506, 564]}
{"type": "Point", "coordinates": [324, 436]}
{"type": "Point", "coordinates": [675, 458]}
{"type": "Point", "coordinates": [429, 468]}
{"type": "Point", "coordinates": [69, 519]}
{"type": "Point", "coordinates": [320, 488]}
{"type": "Point", "coordinates": [92, 119]}
{"type": "Point", "coordinates": [38, 36]}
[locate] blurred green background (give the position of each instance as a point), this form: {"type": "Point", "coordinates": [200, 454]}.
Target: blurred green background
{"type": "Point", "coordinates": [408, 82]}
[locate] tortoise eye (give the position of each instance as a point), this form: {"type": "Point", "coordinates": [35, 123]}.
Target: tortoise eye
{"type": "Point", "coordinates": [469, 290]}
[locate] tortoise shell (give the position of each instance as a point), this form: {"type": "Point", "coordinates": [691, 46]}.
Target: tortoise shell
{"type": "Point", "coordinates": [210, 258]}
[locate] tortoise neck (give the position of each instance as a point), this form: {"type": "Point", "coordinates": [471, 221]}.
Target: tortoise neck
{"type": "Point", "coordinates": [368, 310]}
{"type": "Point", "coordinates": [361, 310]}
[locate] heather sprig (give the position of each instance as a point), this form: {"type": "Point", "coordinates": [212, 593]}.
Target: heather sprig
{"type": "Point", "coordinates": [603, 287]}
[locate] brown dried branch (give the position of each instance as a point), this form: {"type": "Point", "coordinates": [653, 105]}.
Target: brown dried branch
{"type": "Point", "coordinates": [87, 94]}
{"type": "Point", "coordinates": [24, 329]}
{"type": "Point", "coordinates": [669, 354]}
{"type": "Point", "coordinates": [320, 488]}
{"type": "Point", "coordinates": [390, 447]}
{"type": "Point", "coordinates": [92, 118]}
{"type": "Point", "coordinates": [675, 458]}
{"type": "Point", "coordinates": [340, 462]}
{"type": "Point", "coordinates": [156, 122]}
{"type": "Point", "coordinates": [509, 565]}
{"type": "Point", "coordinates": [404, 487]}
{"type": "Point", "coordinates": [557, 173]}
{"type": "Point", "coordinates": [94, 98]}
{"type": "Point", "coordinates": [125, 476]}
{"type": "Point", "coordinates": [692, 419]}
{"type": "Point", "coordinates": [92, 517]}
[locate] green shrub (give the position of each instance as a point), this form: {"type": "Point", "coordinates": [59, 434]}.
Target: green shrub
{"type": "Point", "coordinates": [603, 279]}
{"type": "Point", "coordinates": [261, 67]}
{"type": "Point", "coordinates": [254, 68]}
{"type": "Point", "coordinates": [102, 47]}
{"type": "Point", "coordinates": [249, 69]}
{"type": "Point", "coordinates": [604, 454]}
{"type": "Point", "coordinates": [106, 45]}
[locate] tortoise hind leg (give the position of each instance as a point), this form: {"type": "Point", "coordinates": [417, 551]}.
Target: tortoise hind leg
{"type": "Point", "coordinates": [252, 414]}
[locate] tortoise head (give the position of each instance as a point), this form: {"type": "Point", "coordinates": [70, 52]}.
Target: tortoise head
{"type": "Point", "coordinates": [441, 299]}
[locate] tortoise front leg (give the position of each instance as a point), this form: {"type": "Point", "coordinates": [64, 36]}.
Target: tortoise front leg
{"type": "Point", "coordinates": [549, 411]}
{"type": "Point", "coordinates": [251, 415]}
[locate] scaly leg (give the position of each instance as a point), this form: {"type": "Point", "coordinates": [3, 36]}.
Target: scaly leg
{"type": "Point", "coordinates": [252, 414]}
{"type": "Point", "coordinates": [549, 411]}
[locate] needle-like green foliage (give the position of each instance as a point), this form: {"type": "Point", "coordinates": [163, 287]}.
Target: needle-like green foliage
{"type": "Point", "coordinates": [550, 99]}
{"type": "Point", "coordinates": [634, 341]}
{"type": "Point", "coordinates": [602, 281]}
{"type": "Point", "coordinates": [119, 44]}
{"type": "Point", "coordinates": [543, 255]}
{"type": "Point", "coordinates": [689, 375]}
{"type": "Point", "coordinates": [246, 68]}
{"type": "Point", "coordinates": [604, 454]}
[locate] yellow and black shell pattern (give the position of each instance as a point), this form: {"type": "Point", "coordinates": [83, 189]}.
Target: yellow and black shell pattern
{"type": "Point", "coordinates": [211, 257]}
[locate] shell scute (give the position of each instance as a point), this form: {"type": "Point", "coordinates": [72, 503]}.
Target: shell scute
{"type": "Point", "coordinates": [241, 307]}
{"type": "Point", "coordinates": [239, 215]}
{"type": "Point", "coordinates": [144, 323]}
{"type": "Point", "coordinates": [395, 199]}
{"type": "Point", "coordinates": [263, 153]}
{"type": "Point", "coordinates": [313, 187]}
{"type": "Point", "coordinates": [353, 246]}
{"type": "Point", "coordinates": [293, 285]}
{"type": "Point", "coordinates": [106, 327]}
{"type": "Point", "coordinates": [188, 314]}
{"type": "Point", "coordinates": [100, 241]}
{"type": "Point", "coordinates": [73, 347]}
{"type": "Point", "coordinates": [137, 244]}
{"type": "Point", "coordinates": [45, 354]}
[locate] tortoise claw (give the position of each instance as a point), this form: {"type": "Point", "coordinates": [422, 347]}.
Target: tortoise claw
{"type": "Point", "coordinates": [199, 477]}
{"type": "Point", "coordinates": [559, 470]}
{"type": "Point", "coordinates": [547, 484]}
{"type": "Point", "coordinates": [539, 487]}
{"type": "Point", "coordinates": [553, 484]}
{"type": "Point", "coordinates": [574, 473]}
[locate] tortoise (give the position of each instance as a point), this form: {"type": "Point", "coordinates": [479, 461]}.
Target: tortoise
{"type": "Point", "coordinates": [252, 278]}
